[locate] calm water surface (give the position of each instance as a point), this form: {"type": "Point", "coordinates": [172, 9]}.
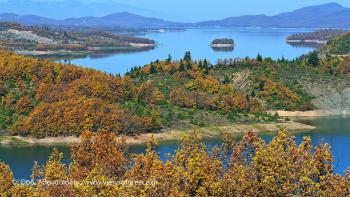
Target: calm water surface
{"type": "Point", "coordinates": [332, 130]}
{"type": "Point", "coordinates": [268, 42]}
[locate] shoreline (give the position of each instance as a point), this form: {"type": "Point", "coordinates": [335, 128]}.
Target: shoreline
{"type": "Point", "coordinates": [90, 50]}
{"type": "Point", "coordinates": [308, 41]}
{"type": "Point", "coordinates": [313, 113]}
{"type": "Point", "coordinates": [166, 135]}
{"type": "Point", "coordinates": [221, 45]}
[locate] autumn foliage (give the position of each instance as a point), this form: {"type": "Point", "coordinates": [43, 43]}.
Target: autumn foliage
{"type": "Point", "coordinates": [249, 167]}
{"type": "Point", "coordinates": [43, 98]}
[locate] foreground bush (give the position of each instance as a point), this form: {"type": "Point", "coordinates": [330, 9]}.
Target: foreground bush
{"type": "Point", "coordinates": [101, 166]}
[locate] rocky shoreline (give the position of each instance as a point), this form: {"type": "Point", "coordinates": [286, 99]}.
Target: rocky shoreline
{"type": "Point", "coordinates": [308, 41]}
{"type": "Point", "coordinates": [166, 135]}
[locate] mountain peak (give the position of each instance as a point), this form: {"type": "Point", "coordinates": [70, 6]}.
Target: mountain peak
{"type": "Point", "coordinates": [332, 4]}
{"type": "Point", "coordinates": [327, 7]}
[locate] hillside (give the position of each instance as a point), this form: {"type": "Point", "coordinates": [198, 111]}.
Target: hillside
{"type": "Point", "coordinates": [331, 15]}
{"type": "Point", "coordinates": [338, 46]}
{"type": "Point", "coordinates": [42, 98]}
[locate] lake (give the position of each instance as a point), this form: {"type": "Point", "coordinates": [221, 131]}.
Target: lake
{"type": "Point", "coordinates": [269, 42]}
{"type": "Point", "coordinates": [332, 130]}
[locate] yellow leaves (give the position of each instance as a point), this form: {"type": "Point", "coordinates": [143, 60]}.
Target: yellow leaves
{"type": "Point", "coordinates": [181, 98]}
{"type": "Point", "coordinates": [157, 97]}
{"type": "Point", "coordinates": [279, 168]}
{"type": "Point", "coordinates": [6, 178]}
{"type": "Point", "coordinates": [209, 85]}
{"type": "Point", "coordinates": [24, 105]}
{"type": "Point", "coordinates": [282, 92]}
{"type": "Point", "coordinates": [103, 150]}
{"type": "Point", "coordinates": [55, 170]}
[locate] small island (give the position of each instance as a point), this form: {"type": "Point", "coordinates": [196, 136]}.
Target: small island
{"type": "Point", "coordinates": [222, 43]}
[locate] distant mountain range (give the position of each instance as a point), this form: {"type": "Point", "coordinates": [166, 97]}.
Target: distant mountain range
{"type": "Point", "coordinates": [120, 19]}
{"type": "Point", "coordinates": [61, 9]}
{"type": "Point", "coordinates": [331, 15]}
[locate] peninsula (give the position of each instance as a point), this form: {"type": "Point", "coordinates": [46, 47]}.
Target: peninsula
{"type": "Point", "coordinates": [47, 41]}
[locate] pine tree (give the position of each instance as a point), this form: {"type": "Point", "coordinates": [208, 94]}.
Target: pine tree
{"type": "Point", "coordinates": [181, 66]}
{"type": "Point", "coordinates": [313, 59]}
{"type": "Point", "coordinates": [188, 65]}
{"type": "Point", "coordinates": [188, 57]}
{"type": "Point", "coordinates": [153, 69]}
{"type": "Point", "coordinates": [169, 59]}
{"type": "Point", "coordinates": [259, 58]}
{"type": "Point", "coordinates": [205, 64]}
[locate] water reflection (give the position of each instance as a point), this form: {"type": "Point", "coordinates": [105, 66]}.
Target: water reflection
{"type": "Point", "coordinates": [313, 45]}
{"type": "Point", "coordinates": [223, 49]}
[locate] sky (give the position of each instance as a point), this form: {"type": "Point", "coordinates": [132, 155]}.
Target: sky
{"type": "Point", "coordinates": [178, 10]}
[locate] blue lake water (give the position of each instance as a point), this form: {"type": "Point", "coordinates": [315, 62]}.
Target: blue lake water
{"type": "Point", "coordinates": [332, 130]}
{"type": "Point", "coordinates": [268, 42]}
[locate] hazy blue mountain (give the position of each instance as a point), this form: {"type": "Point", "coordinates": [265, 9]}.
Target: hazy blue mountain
{"type": "Point", "coordinates": [27, 19]}
{"type": "Point", "coordinates": [61, 9]}
{"type": "Point", "coordinates": [326, 15]}
{"type": "Point", "coordinates": [121, 19]}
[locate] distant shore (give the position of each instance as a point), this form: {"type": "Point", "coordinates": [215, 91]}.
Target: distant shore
{"type": "Point", "coordinates": [90, 50]}
{"type": "Point", "coordinates": [166, 135]}
{"type": "Point", "coordinates": [308, 41]}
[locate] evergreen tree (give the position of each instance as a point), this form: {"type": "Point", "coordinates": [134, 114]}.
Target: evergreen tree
{"type": "Point", "coordinates": [181, 66]}
{"type": "Point", "coordinates": [169, 59]}
{"type": "Point", "coordinates": [200, 65]}
{"type": "Point", "coordinates": [226, 80]}
{"type": "Point", "coordinates": [188, 57]}
{"type": "Point", "coordinates": [188, 65]}
{"type": "Point", "coordinates": [205, 64]}
{"type": "Point", "coordinates": [259, 58]}
{"type": "Point", "coordinates": [313, 59]}
{"type": "Point", "coordinates": [153, 69]}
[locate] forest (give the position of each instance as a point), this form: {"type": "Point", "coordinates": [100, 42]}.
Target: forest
{"type": "Point", "coordinates": [101, 166]}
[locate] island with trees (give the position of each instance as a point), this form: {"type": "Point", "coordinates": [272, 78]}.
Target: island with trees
{"type": "Point", "coordinates": [48, 41]}
{"type": "Point", "coordinates": [224, 44]}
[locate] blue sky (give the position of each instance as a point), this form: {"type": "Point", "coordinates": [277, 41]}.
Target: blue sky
{"type": "Point", "coordinates": [183, 10]}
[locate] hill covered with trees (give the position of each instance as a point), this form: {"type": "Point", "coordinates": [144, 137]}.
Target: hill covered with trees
{"type": "Point", "coordinates": [338, 46]}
